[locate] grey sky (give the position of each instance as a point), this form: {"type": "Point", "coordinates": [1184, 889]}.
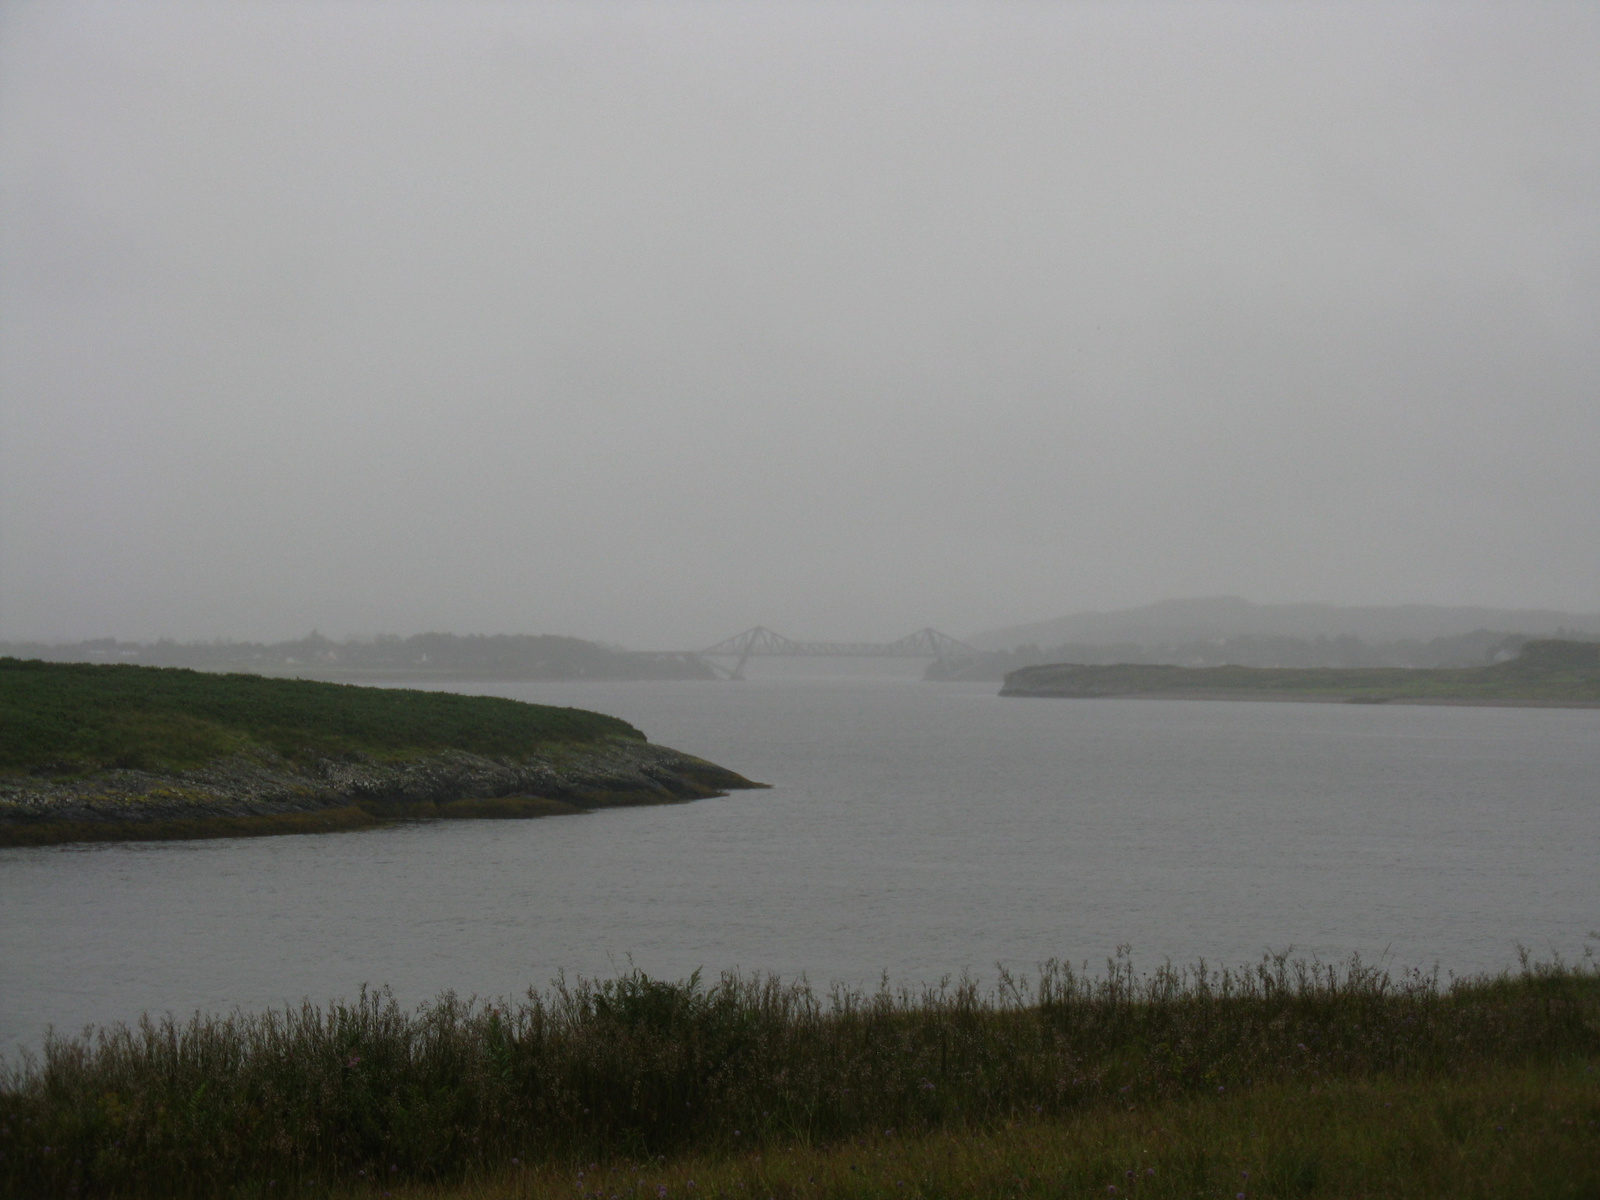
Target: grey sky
{"type": "Point", "coordinates": [650, 322]}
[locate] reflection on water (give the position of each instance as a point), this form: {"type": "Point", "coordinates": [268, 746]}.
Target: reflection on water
{"type": "Point", "coordinates": [916, 829]}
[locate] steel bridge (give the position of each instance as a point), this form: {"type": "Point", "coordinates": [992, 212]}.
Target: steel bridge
{"type": "Point", "coordinates": [763, 642]}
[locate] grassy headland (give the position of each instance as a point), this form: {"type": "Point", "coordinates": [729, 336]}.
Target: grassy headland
{"type": "Point", "coordinates": [124, 751]}
{"type": "Point", "coordinates": [1547, 672]}
{"type": "Point", "coordinates": [1317, 1081]}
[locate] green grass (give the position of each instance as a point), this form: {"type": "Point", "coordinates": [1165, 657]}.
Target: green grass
{"type": "Point", "coordinates": [1546, 672]}
{"type": "Point", "coordinates": [703, 1079]}
{"type": "Point", "coordinates": [1518, 1131]}
{"type": "Point", "coordinates": [75, 717]}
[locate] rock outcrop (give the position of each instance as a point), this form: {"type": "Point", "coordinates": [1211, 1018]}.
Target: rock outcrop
{"type": "Point", "coordinates": [261, 792]}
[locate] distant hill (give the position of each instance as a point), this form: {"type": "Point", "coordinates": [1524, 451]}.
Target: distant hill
{"type": "Point", "coordinates": [424, 656]}
{"type": "Point", "coordinates": [1224, 617]}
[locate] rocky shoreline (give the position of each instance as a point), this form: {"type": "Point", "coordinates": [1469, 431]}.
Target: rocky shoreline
{"type": "Point", "coordinates": [261, 793]}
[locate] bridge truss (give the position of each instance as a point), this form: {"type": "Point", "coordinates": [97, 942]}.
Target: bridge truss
{"type": "Point", "coordinates": [763, 642]}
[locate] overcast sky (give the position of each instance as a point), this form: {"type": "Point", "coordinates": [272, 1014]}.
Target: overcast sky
{"type": "Point", "coordinates": [649, 322]}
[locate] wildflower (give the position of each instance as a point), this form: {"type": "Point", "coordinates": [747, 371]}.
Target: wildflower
{"type": "Point", "coordinates": [1150, 1171]}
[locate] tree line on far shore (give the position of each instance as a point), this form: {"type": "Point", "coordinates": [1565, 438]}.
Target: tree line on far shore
{"type": "Point", "coordinates": [519, 656]}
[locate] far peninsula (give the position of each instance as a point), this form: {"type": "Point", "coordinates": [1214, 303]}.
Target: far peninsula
{"type": "Point", "coordinates": [1548, 673]}
{"type": "Point", "coordinates": [119, 752]}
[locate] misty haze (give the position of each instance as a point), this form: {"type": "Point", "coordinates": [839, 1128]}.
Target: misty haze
{"type": "Point", "coordinates": [1005, 494]}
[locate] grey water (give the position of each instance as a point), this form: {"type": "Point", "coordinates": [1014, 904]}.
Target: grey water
{"type": "Point", "coordinates": [912, 830]}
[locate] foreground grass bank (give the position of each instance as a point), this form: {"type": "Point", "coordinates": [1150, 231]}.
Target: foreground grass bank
{"type": "Point", "coordinates": [947, 1085]}
{"type": "Point", "coordinates": [1528, 1131]}
{"type": "Point", "coordinates": [113, 752]}
{"type": "Point", "coordinates": [1550, 672]}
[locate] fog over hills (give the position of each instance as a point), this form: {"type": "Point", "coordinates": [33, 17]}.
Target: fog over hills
{"type": "Point", "coordinates": [1202, 619]}
{"type": "Point", "coordinates": [647, 323]}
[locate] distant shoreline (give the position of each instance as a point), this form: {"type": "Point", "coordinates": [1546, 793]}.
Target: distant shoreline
{"type": "Point", "coordinates": [1312, 698]}
{"type": "Point", "coordinates": [1547, 674]}
{"type": "Point", "coordinates": [444, 675]}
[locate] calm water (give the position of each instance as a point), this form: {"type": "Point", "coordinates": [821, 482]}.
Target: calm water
{"type": "Point", "coordinates": [919, 830]}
